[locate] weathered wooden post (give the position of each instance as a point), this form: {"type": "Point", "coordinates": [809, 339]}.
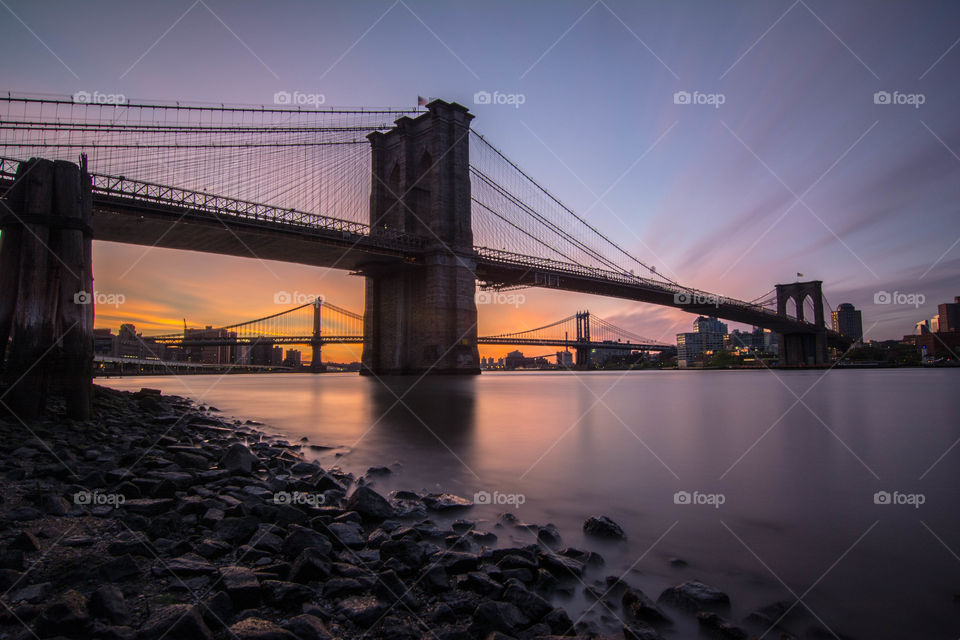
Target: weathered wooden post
{"type": "Point", "coordinates": [46, 304]}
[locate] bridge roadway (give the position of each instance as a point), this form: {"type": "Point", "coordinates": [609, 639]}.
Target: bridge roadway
{"type": "Point", "coordinates": [135, 212]}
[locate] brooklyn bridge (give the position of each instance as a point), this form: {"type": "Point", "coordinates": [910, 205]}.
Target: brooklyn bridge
{"type": "Point", "coordinates": [417, 202]}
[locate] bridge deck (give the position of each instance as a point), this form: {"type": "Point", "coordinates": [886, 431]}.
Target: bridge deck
{"type": "Point", "coordinates": [136, 212]}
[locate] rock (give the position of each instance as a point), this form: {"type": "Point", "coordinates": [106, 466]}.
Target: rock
{"type": "Point", "coordinates": [54, 505]}
{"type": "Point", "coordinates": [391, 589]}
{"type": "Point", "coordinates": [561, 566]}
{"type": "Point", "coordinates": [637, 606]}
{"type": "Point", "coordinates": [189, 564]}
{"type": "Point", "coordinates": [218, 610]}
{"type": "Point", "coordinates": [549, 535]}
{"type": "Point", "coordinates": [33, 594]}
{"type": "Point", "coordinates": [241, 585]}
{"type": "Point", "coordinates": [107, 602]}
{"type": "Point", "coordinates": [311, 564]}
{"type": "Point", "coordinates": [559, 622]}
{"type": "Point", "coordinates": [210, 548]}
{"type": "Point", "coordinates": [239, 459]}
{"type": "Point", "coordinates": [307, 627]}
{"type": "Point", "coordinates": [603, 527]}
{"type": "Point", "coordinates": [370, 504]}
{"type": "Point", "coordinates": [457, 561]}
{"type": "Point", "coordinates": [770, 614]}
{"type": "Point", "coordinates": [720, 626]}
{"type": "Point", "coordinates": [110, 632]}
{"type": "Point", "coordinates": [640, 631]}
{"type": "Point", "coordinates": [23, 514]}
{"type": "Point", "coordinates": [695, 596]}
{"type": "Point", "coordinates": [24, 541]}
{"type": "Point", "coordinates": [236, 530]}
{"type": "Point", "coordinates": [335, 588]}
{"type": "Point", "coordinates": [535, 606]}
{"type": "Point", "coordinates": [361, 610]}
{"type": "Point", "coordinates": [349, 534]}
{"type": "Point", "coordinates": [285, 595]}
{"type": "Point", "coordinates": [8, 578]}
{"type": "Point", "coordinates": [679, 563]}
{"type": "Point", "coordinates": [481, 583]}
{"type": "Point", "coordinates": [67, 615]}
{"type": "Point", "coordinates": [148, 506]}
{"type": "Point", "coordinates": [446, 502]}
{"type": "Point", "coordinates": [300, 538]}
{"type": "Point", "coordinates": [119, 569]}
{"type": "Point", "coordinates": [259, 629]}
{"type": "Point", "coordinates": [407, 551]}
{"type": "Point", "coordinates": [13, 560]}
{"type": "Point", "coordinates": [180, 621]}
{"type": "Point", "coordinates": [491, 616]}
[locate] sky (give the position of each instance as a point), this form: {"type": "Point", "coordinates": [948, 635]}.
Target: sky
{"type": "Point", "coordinates": [732, 145]}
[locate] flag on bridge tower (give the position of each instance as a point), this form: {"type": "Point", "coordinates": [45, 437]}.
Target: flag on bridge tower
{"type": "Point", "coordinates": [421, 101]}
{"type": "Point", "coordinates": [799, 275]}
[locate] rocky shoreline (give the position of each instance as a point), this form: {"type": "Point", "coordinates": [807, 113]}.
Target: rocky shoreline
{"type": "Point", "coordinates": [161, 519]}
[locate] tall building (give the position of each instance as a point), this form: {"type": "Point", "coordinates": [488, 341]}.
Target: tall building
{"type": "Point", "coordinates": [758, 340]}
{"type": "Point", "coordinates": [949, 314]}
{"type": "Point", "coordinates": [945, 341]}
{"type": "Point", "coordinates": [292, 359]}
{"type": "Point", "coordinates": [848, 321]}
{"type": "Point", "coordinates": [703, 324]}
{"type": "Point", "coordinates": [708, 336]}
{"type": "Point", "coordinates": [224, 353]}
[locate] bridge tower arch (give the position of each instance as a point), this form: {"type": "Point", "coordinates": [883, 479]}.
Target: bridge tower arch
{"type": "Point", "coordinates": [421, 318]}
{"type": "Point", "coordinates": [803, 348]}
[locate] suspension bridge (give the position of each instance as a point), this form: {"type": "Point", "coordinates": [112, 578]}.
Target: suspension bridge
{"type": "Point", "coordinates": [318, 323]}
{"type": "Point", "coordinates": [416, 201]}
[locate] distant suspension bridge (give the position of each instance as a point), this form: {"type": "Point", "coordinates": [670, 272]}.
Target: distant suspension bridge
{"type": "Point", "coordinates": [319, 323]}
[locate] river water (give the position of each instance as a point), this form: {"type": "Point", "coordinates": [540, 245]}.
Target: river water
{"type": "Point", "coordinates": [781, 468]}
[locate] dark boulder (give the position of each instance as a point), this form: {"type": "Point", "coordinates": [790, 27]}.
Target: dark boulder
{"type": "Point", "coordinates": [603, 527]}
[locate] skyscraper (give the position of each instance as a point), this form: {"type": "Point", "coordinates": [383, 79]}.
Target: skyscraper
{"type": "Point", "coordinates": [848, 321]}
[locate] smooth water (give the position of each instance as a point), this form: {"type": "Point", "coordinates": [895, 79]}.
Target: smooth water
{"type": "Point", "coordinates": [797, 457]}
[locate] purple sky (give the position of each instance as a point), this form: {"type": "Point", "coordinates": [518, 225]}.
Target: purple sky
{"type": "Point", "coordinates": [797, 171]}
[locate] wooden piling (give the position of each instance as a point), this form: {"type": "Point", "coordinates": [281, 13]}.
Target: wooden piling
{"type": "Point", "coordinates": [46, 260]}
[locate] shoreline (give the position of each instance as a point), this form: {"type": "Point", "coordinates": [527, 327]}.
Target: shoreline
{"type": "Point", "coordinates": [160, 518]}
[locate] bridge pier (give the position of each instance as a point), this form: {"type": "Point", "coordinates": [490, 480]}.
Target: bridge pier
{"type": "Point", "coordinates": [46, 289]}
{"type": "Point", "coordinates": [803, 349]}
{"type": "Point", "coordinates": [422, 318]}
{"type": "Point", "coordinates": [583, 335]}
{"type": "Point", "coordinates": [316, 344]}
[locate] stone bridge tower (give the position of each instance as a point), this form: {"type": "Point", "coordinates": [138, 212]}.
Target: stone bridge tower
{"type": "Point", "coordinates": [421, 318]}
{"type": "Point", "coordinates": [808, 348]}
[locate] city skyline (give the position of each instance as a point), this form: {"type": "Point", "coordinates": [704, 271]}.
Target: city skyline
{"type": "Point", "coordinates": [802, 168]}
